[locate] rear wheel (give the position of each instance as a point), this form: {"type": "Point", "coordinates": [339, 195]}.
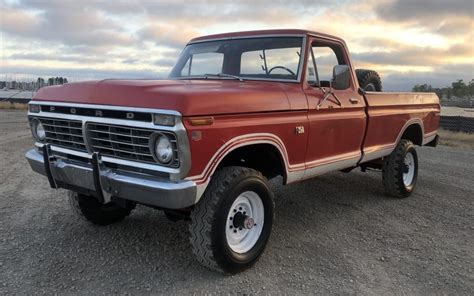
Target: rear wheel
{"type": "Point", "coordinates": [400, 170]}
{"type": "Point", "coordinates": [90, 209]}
{"type": "Point", "coordinates": [231, 224]}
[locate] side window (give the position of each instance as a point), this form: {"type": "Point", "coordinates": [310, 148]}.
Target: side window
{"type": "Point", "coordinates": [326, 59]}
{"type": "Point", "coordinates": [203, 63]}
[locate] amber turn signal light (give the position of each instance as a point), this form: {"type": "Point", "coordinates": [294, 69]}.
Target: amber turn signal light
{"type": "Point", "coordinates": [202, 121]}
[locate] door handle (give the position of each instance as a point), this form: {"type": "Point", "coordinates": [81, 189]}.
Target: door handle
{"type": "Point", "coordinates": [354, 101]}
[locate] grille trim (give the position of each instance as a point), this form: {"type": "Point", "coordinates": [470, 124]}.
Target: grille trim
{"type": "Point", "coordinates": [116, 141]}
{"type": "Point", "coordinates": [128, 143]}
{"type": "Point", "coordinates": [118, 134]}
{"type": "Point", "coordinates": [179, 130]}
{"type": "Point", "coordinates": [64, 133]}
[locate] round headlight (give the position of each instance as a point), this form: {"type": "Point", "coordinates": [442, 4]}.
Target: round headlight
{"type": "Point", "coordinates": [38, 130]}
{"type": "Point", "coordinates": [163, 149]}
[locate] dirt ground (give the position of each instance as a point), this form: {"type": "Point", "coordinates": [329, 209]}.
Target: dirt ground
{"type": "Point", "coordinates": [336, 234]}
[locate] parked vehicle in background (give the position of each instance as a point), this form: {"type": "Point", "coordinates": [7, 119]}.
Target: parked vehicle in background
{"type": "Point", "coordinates": [238, 109]}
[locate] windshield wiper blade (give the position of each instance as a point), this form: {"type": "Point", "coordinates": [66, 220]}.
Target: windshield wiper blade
{"type": "Point", "coordinates": [224, 75]}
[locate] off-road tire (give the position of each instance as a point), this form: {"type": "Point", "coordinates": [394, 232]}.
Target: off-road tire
{"type": "Point", "coordinates": [369, 80]}
{"type": "Point", "coordinates": [208, 228]}
{"type": "Point", "coordinates": [393, 170]}
{"type": "Point", "coordinates": [90, 209]}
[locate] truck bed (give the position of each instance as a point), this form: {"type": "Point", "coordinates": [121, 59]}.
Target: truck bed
{"type": "Point", "coordinates": [390, 113]}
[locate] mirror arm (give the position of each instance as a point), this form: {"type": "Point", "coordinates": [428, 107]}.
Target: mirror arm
{"type": "Point", "coordinates": [337, 99]}
{"type": "Point", "coordinates": [331, 90]}
{"type": "Point", "coordinates": [326, 95]}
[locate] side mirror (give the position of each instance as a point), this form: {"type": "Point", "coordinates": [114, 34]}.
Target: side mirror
{"type": "Point", "coordinates": [341, 77]}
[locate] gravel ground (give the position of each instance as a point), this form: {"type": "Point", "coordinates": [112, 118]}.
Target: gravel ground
{"type": "Point", "coordinates": [335, 234]}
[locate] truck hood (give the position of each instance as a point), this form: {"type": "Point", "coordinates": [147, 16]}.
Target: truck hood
{"type": "Point", "coordinates": [189, 97]}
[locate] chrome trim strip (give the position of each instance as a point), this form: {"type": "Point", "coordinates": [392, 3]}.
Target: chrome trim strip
{"type": "Point", "coordinates": [114, 121]}
{"type": "Point", "coordinates": [140, 165]}
{"type": "Point", "coordinates": [119, 161]}
{"type": "Point", "coordinates": [330, 167]}
{"type": "Point", "coordinates": [332, 159]}
{"type": "Point", "coordinates": [106, 107]}
{"type": "Point", "coordinates": [377, 153]}
{"type": "Point", "coordinates": [66, 150]}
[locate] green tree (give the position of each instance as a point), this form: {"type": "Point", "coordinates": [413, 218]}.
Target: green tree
{"type": "Point", "coordinates": [422, 88]}
{"type": "Point", "coordinates": [460, 89]}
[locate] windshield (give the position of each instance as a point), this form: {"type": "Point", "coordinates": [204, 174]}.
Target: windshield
{"type": "Point", "coordinates": [274, 58]}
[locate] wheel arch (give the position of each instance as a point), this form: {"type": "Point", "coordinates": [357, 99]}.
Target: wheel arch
{"type": "Point", "coordinates": [228, 153]}
{"type": "Point", "coordinates": [263, 157]}
{"type": "Point", "coordinates": [414, 132]}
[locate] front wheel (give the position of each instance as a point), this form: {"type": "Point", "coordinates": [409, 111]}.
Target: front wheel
{"type": "Point", "coordinates": [400, 170]}
{"type": "Point", "coordinates": [231, 224]}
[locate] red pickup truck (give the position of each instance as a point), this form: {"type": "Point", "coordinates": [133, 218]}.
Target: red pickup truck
{"type": "Point", "coordinates": [238, 109]}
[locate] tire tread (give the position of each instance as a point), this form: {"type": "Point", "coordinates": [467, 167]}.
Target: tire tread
{"type": "Point", "coordinates": [365, 76]}
{"type": "Point", "coordinates": [391, 171]}
{"type": "Point", "coordinates": [205, 211]}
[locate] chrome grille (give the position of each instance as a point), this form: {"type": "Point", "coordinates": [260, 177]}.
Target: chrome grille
{"type": "Point", "coordinates": [125, 142]}
{"type": "Point", "coordinates": [64, 133]}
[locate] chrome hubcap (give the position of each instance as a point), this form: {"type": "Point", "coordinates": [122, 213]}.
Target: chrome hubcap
{"type": "Point", "coordinates": [409, 169]}
{"type": "Point", "coordinates": [245, 222]}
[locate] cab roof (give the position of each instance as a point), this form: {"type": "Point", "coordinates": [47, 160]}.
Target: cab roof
{"type": "Point", "coordinates": [263, 33]}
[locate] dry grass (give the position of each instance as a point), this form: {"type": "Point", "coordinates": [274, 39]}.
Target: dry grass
{"type": "Point", "coordinates": [456, 139]}
{"type": "Point", "coordinates": [13, 106]}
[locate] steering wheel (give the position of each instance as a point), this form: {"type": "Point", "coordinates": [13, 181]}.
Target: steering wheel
{"type": "Point", "coordinates": [281, 67]}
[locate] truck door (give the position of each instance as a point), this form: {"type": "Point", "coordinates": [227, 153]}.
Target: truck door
{"type": "Point", "coordinates": [337, 121]}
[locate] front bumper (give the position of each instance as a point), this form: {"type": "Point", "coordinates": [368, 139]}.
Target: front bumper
{"type": "Point", "coordinates": [105, 183]}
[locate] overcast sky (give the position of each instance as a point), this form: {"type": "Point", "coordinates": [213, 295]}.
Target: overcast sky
{"type": "Point", "coordinates": [407, 41]}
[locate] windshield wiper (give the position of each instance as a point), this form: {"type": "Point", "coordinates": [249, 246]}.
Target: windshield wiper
{"type": "Point", "coordinates": [224, 75]}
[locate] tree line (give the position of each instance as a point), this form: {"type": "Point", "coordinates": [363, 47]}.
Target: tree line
{"type": "Point", "coordinates": [458, 89]}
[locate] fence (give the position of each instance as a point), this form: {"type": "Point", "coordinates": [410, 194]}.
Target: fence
{"type": "Point", "coordinates": [457, 123]}
{"type": "Point", "coordinates": [457, 119]}
{"type": "Point", "coordinates": [465, 103]}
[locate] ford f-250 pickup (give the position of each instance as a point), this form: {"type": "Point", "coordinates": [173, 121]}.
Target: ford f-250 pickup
{"type": "Point", "coordinates": [238, 109]}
